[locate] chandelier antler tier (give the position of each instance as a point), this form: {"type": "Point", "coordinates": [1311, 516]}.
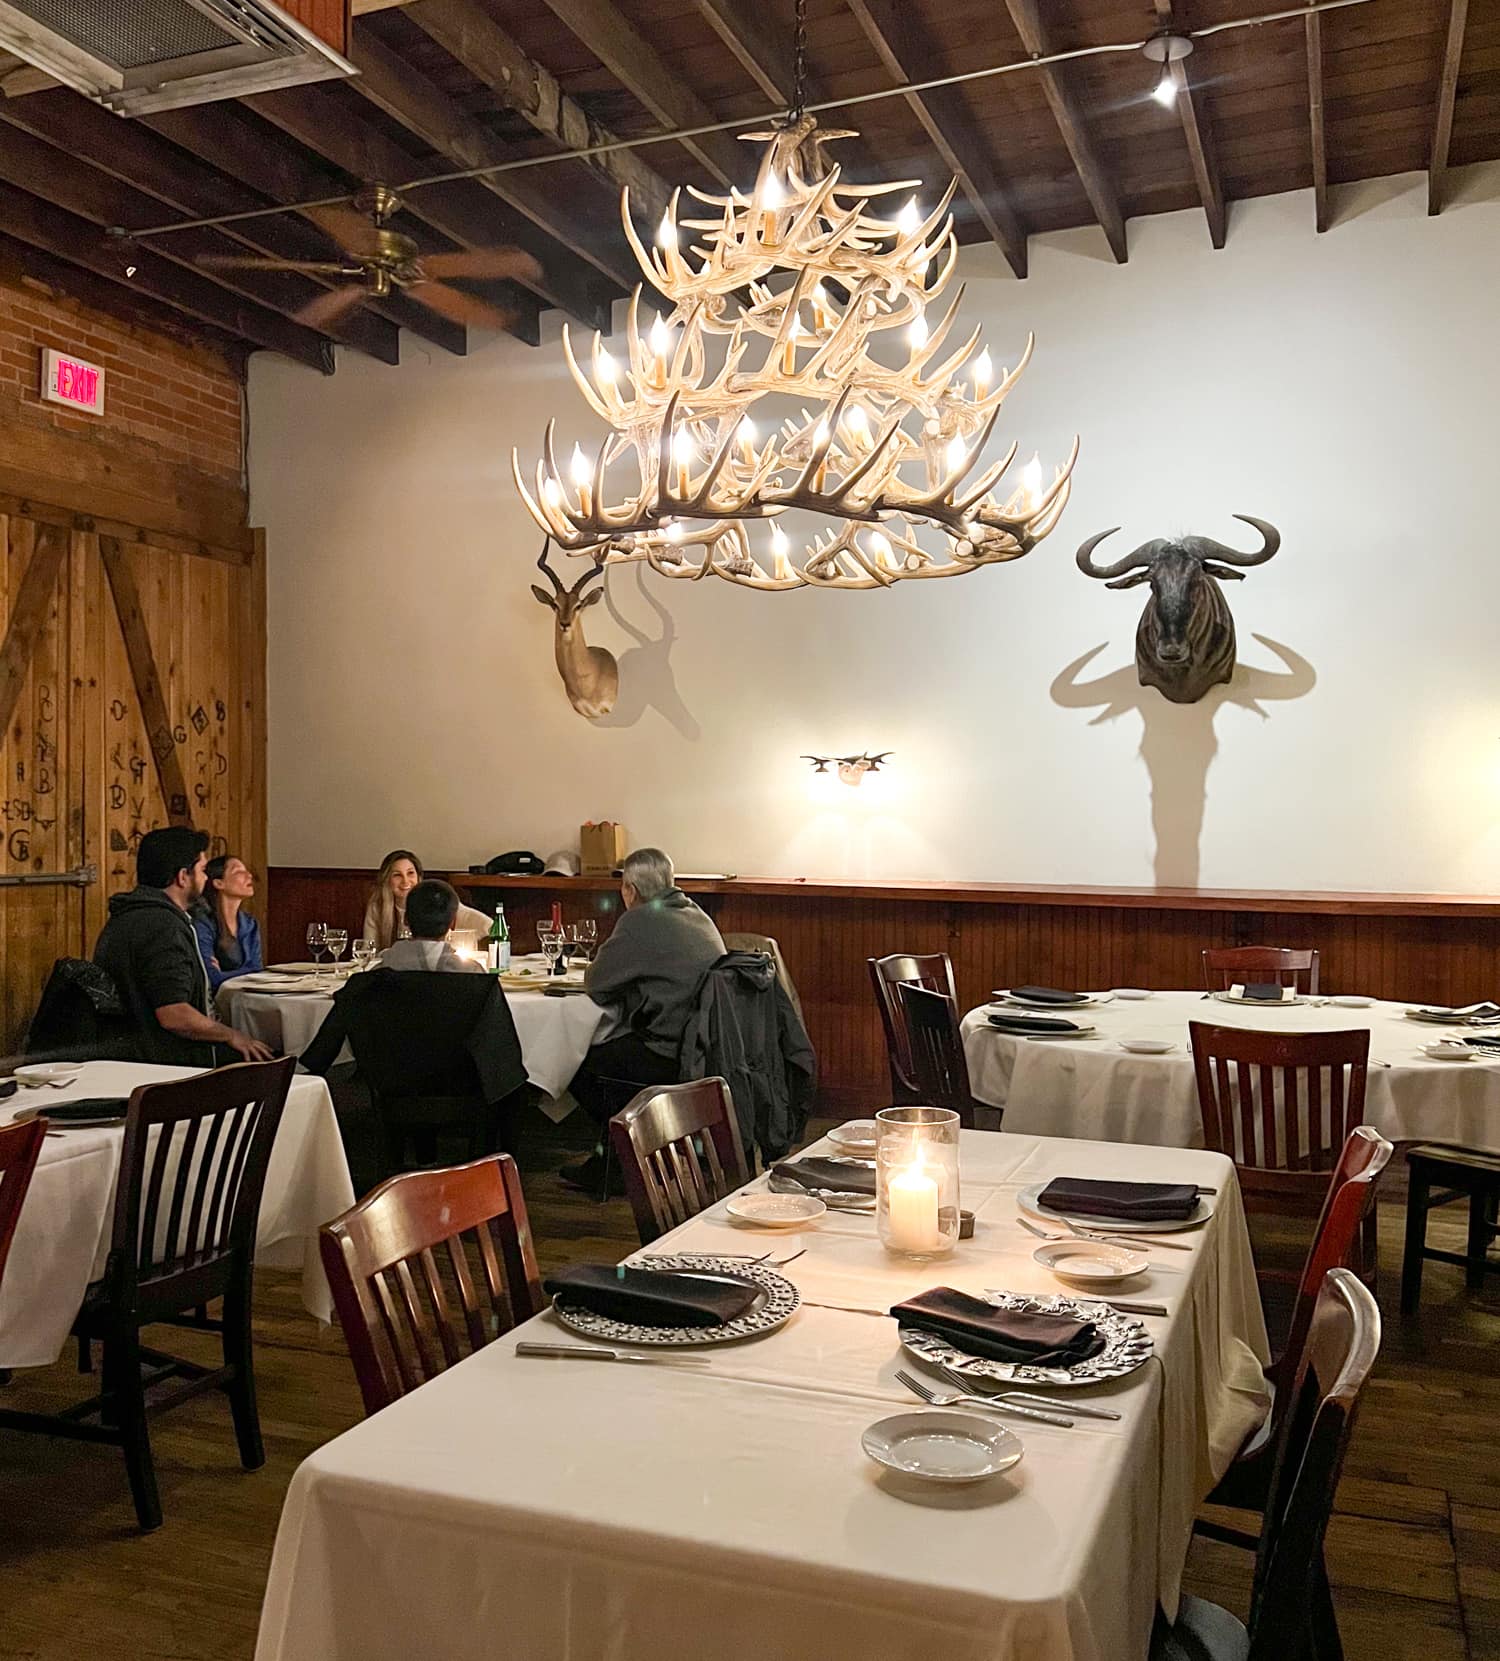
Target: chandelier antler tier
{"type": "Point", "coordinates": [778, 307]}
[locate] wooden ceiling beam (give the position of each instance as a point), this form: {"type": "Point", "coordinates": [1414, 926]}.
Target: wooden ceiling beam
{"type": "Point", "coordinates": [1067, 112]}
{"type": "Point", "coordinates": [1318, 130]}
{"type": "Point", "coordinates": [638, 67]}
{"type": "Point", "coordinates": [1447, 96]}
{"type": "Point", "coordinates": [467, 32]}
{"type": "Point", "coordinates": [1195, 130]}
{"type": "Point", "coordinates": [117, 150]}
{"type": "Point", "coordinates": [232, 142]}
{"type": "Point", "coordinates": [364, 152]}
{"type": "Point", "coordinates": [764, 56]}
{"type": "Point", "coordinates": [898, 36]}
{"type": "Point", "coordinates": [78, 241]}
{"type": "Point", "coordinates": [536, 216]}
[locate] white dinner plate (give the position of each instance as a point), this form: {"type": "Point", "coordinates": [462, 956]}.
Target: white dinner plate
{"type": "Point", "coordinates": [300, 968]}
{"type": "Point", "coordinates": [1090, 1262]}
{"type": "Point", "coordinates": [1260, 1003]}
{"type": "Point", "coordinates": [1148, 1046]}
{"type": "Point", "coordinates": [1029, 1201]}
{"type": "Point", "coordinates": [776, 1210]}
{"type": "Point", "coordinates": [1132, 994]}
{"type": "Point", "coordinates": [942, 1445]}
{"type": "Point", "coordinates": [1084, 1000]}
{"type": "Point", "coordinates": [44, 1072]}
{"type": "Point", "coordinates": [855, 1136]}
{"type": "Point", "coordinates": [1434, 1052]}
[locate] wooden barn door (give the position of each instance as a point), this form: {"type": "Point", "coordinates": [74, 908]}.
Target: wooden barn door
{"type": "Point", "coordinates": [131, 690]}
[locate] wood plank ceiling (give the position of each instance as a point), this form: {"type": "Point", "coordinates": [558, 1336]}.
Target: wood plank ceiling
{"type": "Point", "coordinates": [444, 85]}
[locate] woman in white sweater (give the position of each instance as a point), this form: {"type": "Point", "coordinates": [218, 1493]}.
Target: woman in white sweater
{"type": "Point", "coordinates": [385, 914]}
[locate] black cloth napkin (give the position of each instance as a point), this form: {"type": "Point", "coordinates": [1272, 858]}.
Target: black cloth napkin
{"type": "Point", "coordinates": [1016, 1022]}
{"type": "Point", "coordinates": [85, 1110]}
{"type": "Point", "coordinates": [1016, 1335]}
{"type": "Point", "coordinates": [648, 1298]}
{"type": "Point", "coordinates": [1048, 995]}
{"type": "Point", "coordinates": [1127, 1202]}
{"type": "Point", "coordinates": [1268, 991]}
{"type": "Point", "coordinates": [831, 1174]}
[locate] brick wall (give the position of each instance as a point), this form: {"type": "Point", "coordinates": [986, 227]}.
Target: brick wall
{"type": "Point", "coordinates": [179, 403]}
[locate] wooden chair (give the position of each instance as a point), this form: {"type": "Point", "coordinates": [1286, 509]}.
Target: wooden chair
{"type": "Point", "coordinates": [1336, 1244]}
{"type": "Point", "coordinates": [1458, 1173]}
{"type": "Point", "coordinates": [939, 1069]}
{"type": "Point", "coordinates": [395, 1294]}
{"type": "Point", "coordinates": [934, 970]}
{"type": "Point", "coordinates": [192, 1170]}
{"type": "Point", "coordinates": [678, 1146]}
{"type": "Point", "coordinates": [20, 1146]}
{"type": "Point", "coordinates": [1224, 966]}
{"type": "Point", "coordinates": [743, 942]}
{"type": "Point", "coordinates": [1291, 1607]}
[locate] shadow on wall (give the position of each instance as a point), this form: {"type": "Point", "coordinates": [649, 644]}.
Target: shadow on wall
{"type": "Point", "coordinates": [1178, 741]}
{"type": "Point", "coordinates": [646, 678]}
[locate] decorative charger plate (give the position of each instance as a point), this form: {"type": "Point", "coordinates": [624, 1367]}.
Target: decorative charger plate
{"type": "Point", "coordinates": [1029, 1200]}
{"type": "Point", "coordinates": [774, 1306]}
{"type": "Point", "coordinates": [1126, 1344]}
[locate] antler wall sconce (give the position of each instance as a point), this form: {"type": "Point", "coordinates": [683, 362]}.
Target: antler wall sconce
{"type": "Point", "coordinates": [850, 769]}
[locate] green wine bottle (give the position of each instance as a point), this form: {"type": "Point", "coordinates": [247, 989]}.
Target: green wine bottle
{"type": "Point", "coordinates": [497, 944]}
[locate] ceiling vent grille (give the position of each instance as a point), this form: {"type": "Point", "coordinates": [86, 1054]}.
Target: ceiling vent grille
{"type": "Point", "coordinates": [142, 55]}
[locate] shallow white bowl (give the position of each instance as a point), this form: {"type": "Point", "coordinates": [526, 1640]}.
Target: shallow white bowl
{"type": "Point", "coordinates": [776, 1210]}
{"type": "Point", "coordinates": [1090, 1262]}
{"type": "Point", "coordinates": [1348, 1000]}
{"type": "Point", "coordinates": [1148, 1046]}
{"type": "Point", "coordinates": [855, 1136]}
{"type": "Point", "coordinates": [1131, 993]}
{"type": "Point", "coordinates": [43, 1072]}
{"type": "Point", "coordinates": [1435, 1052]}
{"type": "Point", "coordinates": [942, 1445]}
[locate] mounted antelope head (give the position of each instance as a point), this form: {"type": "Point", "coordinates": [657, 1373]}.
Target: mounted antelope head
{"type": "Point", "coordinates": [589, 673]}
{"type": "Point", "coordinates": [1185, 641]}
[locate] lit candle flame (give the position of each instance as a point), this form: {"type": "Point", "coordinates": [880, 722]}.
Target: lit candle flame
{"type": "Point", "coordinates": [984, 370]}
{"type": "Point", "coordinates": [858, 424]}
{"type": "Point", "coordinates": [773, 196]}
{"type": "Point", "coordinates": [746, 435]}
{"type": "Point", "coordinates": [1031, 481]}
{"type": "Point", "coordinates": [779, 548]}
{"type": "Point", "coordinates": [578, 466]}
{"type": "Point", "coordinates": [606, 367]}
{"type": "Point", "coordinates": [880, 546]}
{"type": "Point", "coordinates": [666, 234]}
{"type": "Point", "coordinates": [956, 454]}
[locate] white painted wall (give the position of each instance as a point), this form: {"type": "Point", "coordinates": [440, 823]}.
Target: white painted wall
{"type": "Point", "coordinates": [1343, 386]}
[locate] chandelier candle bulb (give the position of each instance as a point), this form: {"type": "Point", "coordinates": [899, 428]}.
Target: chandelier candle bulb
{"type": "Point", "coordinates": [956, 454]}
{"type": "Point", "coordinates": [858, 425]}
{"type": "Point", "coordinates": [819, 298]}
{"type": "Point", "coordinates": [772, 199]}
{"type": "Point", "coordinates": [682, 454]}
{"type": "Point", "coordinates": [578, 466]}
{"type": "Point", "coordinates": [909, 218]}
{"type": "Point", "coordinates": [984, 370]}
{"type": "Point", "coordinates": [916, 334]}
{"type": "Point", "coordinates": [779, 547]}
{"type": "Point", "coordinates": [745, 432]}
{"type": "Point", "coordinates": [789, 352]}
{"type": "Point", "coordinates": [660, 342]}
{"type": "Point", "coordinates": [1031, 482]}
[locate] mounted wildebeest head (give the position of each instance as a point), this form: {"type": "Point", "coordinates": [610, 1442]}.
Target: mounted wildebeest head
{"type": "Point", "coordinates": [1184, 643]}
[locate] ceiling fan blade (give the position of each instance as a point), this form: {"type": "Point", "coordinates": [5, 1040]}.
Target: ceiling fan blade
{"type": "Point", "coordinates": [459, 307]}
{"type": "Point", "coordinates": [250, 262]}
{"type": "Point", "coordinates": [483, 262]}
{"type": "Point", "coordinates": [324, 310]}
{"type": "Point", "coordinates": [347, 226]}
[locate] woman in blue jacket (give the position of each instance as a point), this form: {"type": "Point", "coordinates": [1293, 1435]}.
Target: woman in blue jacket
{"type": "Point", "coordinates": [228, 936]}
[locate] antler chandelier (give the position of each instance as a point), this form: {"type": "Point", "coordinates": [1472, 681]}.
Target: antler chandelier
{"type": "Point", "coordinates": [784, 298]}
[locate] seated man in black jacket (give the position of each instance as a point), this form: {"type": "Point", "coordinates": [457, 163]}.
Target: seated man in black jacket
{"type": "Point", "coordinates": [150, 949]}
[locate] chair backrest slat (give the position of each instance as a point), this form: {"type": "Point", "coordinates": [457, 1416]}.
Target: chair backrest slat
{"type": "Point", "coordinates": [395, 1303]}
{"type": "Point", "coordinates": [940, 1069]}
{"type": "Point", "coordinates": [678, 1147]}
{"type": "Point", "coordinates": [933, 970]}
{"type": "Point", "coordinates": [1283, 1143]}
{"type": "Point", "coordinates": [1342, 1345]}
{"type": "Point", "coordinates": [213, 1131]}
{"type": "Point", "coordinates": [1226, 966]}
{"type": "Point", "coordinates": [20, 1147]}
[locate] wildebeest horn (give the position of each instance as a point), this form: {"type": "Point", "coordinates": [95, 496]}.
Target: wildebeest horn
{"type": "Point", "coordinates": [1270, 536]}
{"type": "Point", "coordinates": [1129, 563]}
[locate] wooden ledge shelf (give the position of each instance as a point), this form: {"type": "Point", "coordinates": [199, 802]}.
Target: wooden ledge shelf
{"type": "Point", "coordinates": [1280, 902]}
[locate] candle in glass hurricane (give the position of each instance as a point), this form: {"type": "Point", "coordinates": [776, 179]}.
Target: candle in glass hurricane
{"type": "Point", "coordinates": [916, 1180]}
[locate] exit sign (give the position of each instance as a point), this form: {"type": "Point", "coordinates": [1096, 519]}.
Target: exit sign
{"type": "Point", "coordinates": [70, 381]}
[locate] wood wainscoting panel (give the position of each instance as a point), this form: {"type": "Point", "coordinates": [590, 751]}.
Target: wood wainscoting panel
{"type": "Point", "coordinates": [1440, 949]}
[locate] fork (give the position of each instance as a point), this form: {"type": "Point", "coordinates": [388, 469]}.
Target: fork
{"type": "Point", "coordinates": [1025, 1398]}
{"type": "Point", "coordinates": [994, 1404]}
{"type": "Point", "coordinates": [1103, 1239]}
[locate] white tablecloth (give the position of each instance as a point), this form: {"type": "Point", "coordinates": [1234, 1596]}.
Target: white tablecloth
{"type": "Point", "coordinates": [555, 1033]}
{"type": "Point", "coordinates": [1091, 1087]}
{"type": "Point", "coordinates": [568, 1511]}
{"type": "Point", "coordinates": [62, 1239]}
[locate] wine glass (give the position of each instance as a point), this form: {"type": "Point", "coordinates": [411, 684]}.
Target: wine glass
{"type": "Point", "coordinates": [580, 937]}
{"type": "Point", "coordinates": [363, 952]}
{"type": "Point", "coordinates": [335, 940]}
{"type": "Point", "coordinates": [317, 934]}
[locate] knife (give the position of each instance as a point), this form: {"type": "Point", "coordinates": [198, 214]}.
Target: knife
{"type": "Point", "coordinates": [593, 1352]}
{"type": "Point", "coordinates": [1127, 1308]}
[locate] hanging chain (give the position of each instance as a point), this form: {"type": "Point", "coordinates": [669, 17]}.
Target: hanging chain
{"type": "Point", "coordinates": [799, 65]}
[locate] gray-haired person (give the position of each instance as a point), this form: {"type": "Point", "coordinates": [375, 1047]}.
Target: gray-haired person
{"type": "Point", "coordinates": [647, 975]}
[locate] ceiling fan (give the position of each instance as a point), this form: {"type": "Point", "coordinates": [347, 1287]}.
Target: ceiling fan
{"type": "Point", "coordinates": [386, 261]}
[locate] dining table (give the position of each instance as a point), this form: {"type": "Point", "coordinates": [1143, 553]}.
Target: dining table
{"type": "Point", "coordinates": [723, 1509]}
{"type": "Point", "coordinates": [1094, 1087]}
{"type": "Point", "coordinates": [63, 1234]}
{"type": "Point", "coordinates": [286, 1009]}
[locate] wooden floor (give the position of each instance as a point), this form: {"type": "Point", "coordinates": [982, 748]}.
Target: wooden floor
{"type": "Point", "coordinates": [1414, 1550]}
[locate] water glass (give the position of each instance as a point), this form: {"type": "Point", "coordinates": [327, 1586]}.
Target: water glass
{"type": "Point", "coordinates": [335, 940]}
{"type": "Point", "coordinates": [363, 952]}
{"type": "Point", "coordinates": [552, 946]}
